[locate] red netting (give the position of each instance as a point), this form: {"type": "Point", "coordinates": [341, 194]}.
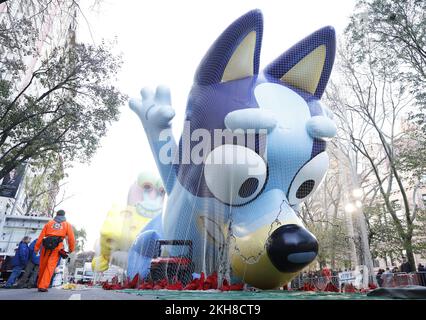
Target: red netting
{"type": "Point", "coordinates": [203, 283]}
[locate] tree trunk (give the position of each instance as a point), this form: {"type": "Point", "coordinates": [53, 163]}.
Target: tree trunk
{"type": "Point", "coordinates": [30, 207]}
{"type": "Point", "coordinates": [408, 246]}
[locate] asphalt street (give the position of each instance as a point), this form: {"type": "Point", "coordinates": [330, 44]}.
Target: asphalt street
{"type": "Point", "coordinates": [60, 294]}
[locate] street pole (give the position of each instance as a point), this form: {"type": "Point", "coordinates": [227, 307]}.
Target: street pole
{"type": "Point", "coordinates": [357, 195]}
{"type": "Point", "coordinates": [348, 214]}
{"type": "Point", "coordinates": [351, 236]}
{"type": "Point", "coordinates": [368, 260]}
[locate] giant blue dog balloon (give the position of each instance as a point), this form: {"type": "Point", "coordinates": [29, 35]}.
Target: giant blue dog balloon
{"type": "Point", "coordinates": [238, 201]}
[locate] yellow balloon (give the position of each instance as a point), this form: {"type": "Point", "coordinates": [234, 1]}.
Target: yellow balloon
{"type": "Point", "coordinates": [119, 230]}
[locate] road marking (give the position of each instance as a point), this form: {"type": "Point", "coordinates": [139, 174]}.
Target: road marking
{"type": "Point", "coordinates": [75, 296]}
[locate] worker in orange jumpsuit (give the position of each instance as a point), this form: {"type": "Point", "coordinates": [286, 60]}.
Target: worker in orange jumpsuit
{"type": "Point", "coordinates": [53, 233]}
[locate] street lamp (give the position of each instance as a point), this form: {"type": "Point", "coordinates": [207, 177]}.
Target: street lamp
{"type": "Point", "coordinates": [355, 203]}
{"type": "Point", "coordinates": [350, 208]}
{"type": "Point", "coordinates": [358, 193]}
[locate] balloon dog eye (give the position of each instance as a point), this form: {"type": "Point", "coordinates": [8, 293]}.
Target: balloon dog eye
{"type": "Point", "coordinates": [234, 174]}
{"type": "Point", "coordinates": [308, 178]}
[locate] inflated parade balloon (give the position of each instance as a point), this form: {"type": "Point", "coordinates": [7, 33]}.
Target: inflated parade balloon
{"type": "Point", "coordinates": [121, 226]}
{"type": "Point", "coordinates": [147, 195]}
{"type": "Point", "coordinates": [252, 149]}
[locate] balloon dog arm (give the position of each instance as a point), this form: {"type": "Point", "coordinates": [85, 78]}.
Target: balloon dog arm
{"type": "Point", "coordinates": [156, 113]}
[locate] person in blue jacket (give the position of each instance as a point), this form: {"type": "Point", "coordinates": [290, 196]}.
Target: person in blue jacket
{"type": "Point", "coordinates": [19, 261]}
{"type": "Point", "coordinates": [29, 277]}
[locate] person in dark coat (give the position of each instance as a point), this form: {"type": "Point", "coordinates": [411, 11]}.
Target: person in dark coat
{"type": "Point", "coordinates": [422, 274]}
{"type": "Point", "coordinates": [405, 266]}
{"type": "Point", "coordinates": [19, 261]}
{"type": "Point", "coordinates": [29, 278]}
{"type": "Point", "coordinates": [379, 277]}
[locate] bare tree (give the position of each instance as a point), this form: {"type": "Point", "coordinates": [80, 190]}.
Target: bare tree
{"type": "Point", "coordinates": [371, 103]}
{"type": "Point", "coordinates": [59, 103]}
{"type": "Point", "coordinates": [324, 217]}
{"type": "Point", "coordinates": [42, 186]}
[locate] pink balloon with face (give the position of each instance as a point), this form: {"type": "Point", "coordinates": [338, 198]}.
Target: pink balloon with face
{"type": "Point", "coordinates": [147, 195]}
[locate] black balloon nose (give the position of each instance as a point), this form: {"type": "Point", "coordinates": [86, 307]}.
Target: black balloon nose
{"type": "Point", "coordinates": [291, 248]}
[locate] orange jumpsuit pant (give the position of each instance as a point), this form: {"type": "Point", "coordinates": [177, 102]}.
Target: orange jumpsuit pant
{"type": "Point", "coordinates": [49, 258]}
{"type": "Point", "coordinates": [48, 262]}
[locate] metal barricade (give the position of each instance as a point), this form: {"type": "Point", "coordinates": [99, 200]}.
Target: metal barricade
{"type": "Point", "coordinates": [317, 282]}
{"type": "Point", "coordinates": [421, 278]}
{"type": "Point", "coordinates": [391, 280]}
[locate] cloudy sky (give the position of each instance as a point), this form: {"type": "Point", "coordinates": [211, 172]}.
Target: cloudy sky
{"type": "Point", "coordinates": [162, 42]}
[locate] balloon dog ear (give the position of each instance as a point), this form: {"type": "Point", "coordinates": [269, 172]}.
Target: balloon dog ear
{"type": "Point", "coordinates": [307, 65]}
{"type": "Point", "coordinates": [235, 54]}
